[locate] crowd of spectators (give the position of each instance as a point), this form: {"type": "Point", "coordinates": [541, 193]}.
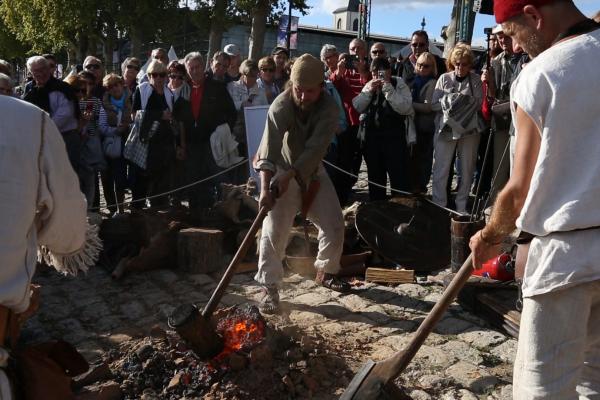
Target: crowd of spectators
{"type": "Point", "coordinates": [413, 121]}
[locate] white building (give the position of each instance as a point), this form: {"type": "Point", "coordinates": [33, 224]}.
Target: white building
{"type": "Point", "coordinates": [347, 18]}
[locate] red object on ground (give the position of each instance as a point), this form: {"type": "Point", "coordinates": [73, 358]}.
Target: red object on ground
{"type": "Point", "coordinates": [500, 268]}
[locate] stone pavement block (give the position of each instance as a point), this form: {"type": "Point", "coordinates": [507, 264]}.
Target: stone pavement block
{"type": "Point", "coordinates": [163, 311]}
{"type": "Point", "coordinates": [89, 300]}
{"type": "Point", "coordinates": [308, 284]}
{"type": "Point", "coordinates": [311, 299]}
{"type": "Point", "coordinates": [452, 326]}
{"type": "Point", "coordinates": [77, 337]}
{"type": "Point", "coordinates": [354, 303]}
{"type": "Point", "coordinates": [91, 350]}
{"type": "Point", "coordinates": [133, 310]}
{"type": "Point", "coordinates": [434, 381]}
{"type": "Point", "coordinates": [165, 276]}
{"type": "Point", "coordinates": [459, 350]}
{"type": "Point", "coordinates": [357, 322]}
{"type": "Point", "coordinates": [107, 324]}
{"type": "Point", "coordinates": [306, 318]}
{"type": "Point", "coordinates": [378, 294]}
{"type": "Point", "coordinates": [400, 326]}
{"type": "Point", "coordinates": [482, 339]}
{"type": "Point", "coordinates": [94, 311]}
{"type": "Point", "coordinates": [420, 395]}
{"type": "Point", "coordinates": [412, 290]}
{"type": "Point", "coordinates": [332, 310]}
{"type": "Point", "coordinates": [155, 297]}
{"type": "Point", "coordinates": [433, 356]}
{"type": "Point", "coordinates": [377, 314]}
{"type": "Point", "coordinates": [472, 377]}
{"type": "Point", "coordinates": [201, 279]}
{"type": "Point", "coordinates": [461, 394]}
{"type": "Point", "coordinates": [506, 351]}
{"type": "Point", "coordinates": [503, 393]}
{"type": "Point", "coordinates": [293, 278]}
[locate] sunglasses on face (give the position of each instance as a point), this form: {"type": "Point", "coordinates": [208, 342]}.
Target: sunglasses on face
{"type": "Point", "coordinates": [133, 67]}
{"type": "Point", "coordinates": [173, 76]}
{"type": "Point", "coordinates": [418, 45]}
{"type": "Point", "coordinates": [158, 74]}
{"type": "Point", "coordinates": [377, 51]}
{"type": "Point", "coordinates": [92, 66]}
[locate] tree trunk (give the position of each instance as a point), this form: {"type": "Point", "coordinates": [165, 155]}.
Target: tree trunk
{"type": "Point", "coordinates": [451, 29]}
{"type": "Point", "coordinates": [259, 27]}
{"type": "Point", "coordinates": [216, 28]}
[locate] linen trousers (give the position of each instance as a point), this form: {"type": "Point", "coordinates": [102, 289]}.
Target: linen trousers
{"type": "Point", "coordinates": [325, 212]}
{"type": "Point", "coordinates": [558, 354]}
{"type": "Point", "coordinates": [443, 155]}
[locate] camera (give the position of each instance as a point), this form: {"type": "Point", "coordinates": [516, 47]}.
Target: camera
{"type": "Point", "coordinates": [381, 74]}
{"type": "Point", "coordinates": [487, 31]}
{"type": "Point", "coordinates": [350, 59]}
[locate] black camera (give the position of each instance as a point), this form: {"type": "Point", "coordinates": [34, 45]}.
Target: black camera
{"type": "Point", "coordinates": [487, 31]}
{"type": "Point", "coordinates": [350, 59]}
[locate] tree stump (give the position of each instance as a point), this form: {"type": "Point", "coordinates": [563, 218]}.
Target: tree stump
{"type": "Point", "coordinates": [200, 251]}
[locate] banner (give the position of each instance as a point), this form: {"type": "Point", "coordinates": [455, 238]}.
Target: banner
{"type": "Point", "coordinates": [282, 32]}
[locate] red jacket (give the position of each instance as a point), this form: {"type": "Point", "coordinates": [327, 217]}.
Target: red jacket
{"type": "Point", "coordinates": [349, 86]}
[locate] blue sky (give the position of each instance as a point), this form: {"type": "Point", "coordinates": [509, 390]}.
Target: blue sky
{"type": "Point", "coordinates": [402, 17]}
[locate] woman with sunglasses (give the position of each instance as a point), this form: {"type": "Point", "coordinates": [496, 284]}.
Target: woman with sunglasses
{"type": "Point", "coordinates": [266, 80]}
{"type": "Point", "coordinates": [458, 95]}
{"type": "Point", "coordinates": [177, 82]}
{"type": "Point", "coordinates": [422, 94]}
{"type": "Point", "coordinates": [156, 99]}
{"type": "Point", "coordinates": [130, 69]}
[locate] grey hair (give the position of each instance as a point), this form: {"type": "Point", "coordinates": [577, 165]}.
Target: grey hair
{"type": "Point", "coordinates": [5, 78]}
{"type": "Point", "coordinates": [89, 59]}
{"type": "Point", "coordinates": [194, 55]}
{"type": "Point", "coordinates": [36, 60]}
{"type": "Point", "coordinates": [327, 48]}
{"type": "Point", "coordinates": [5, 67]}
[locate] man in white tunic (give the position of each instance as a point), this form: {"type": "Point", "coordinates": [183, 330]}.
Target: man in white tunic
{"type": "Point", "coordinates": [554, 194]}
{"type": "Point", "coordinates": [42, 212]}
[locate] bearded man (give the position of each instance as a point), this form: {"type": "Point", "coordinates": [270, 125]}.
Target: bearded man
{"type": "Point", "coordinates": [300, 126]}
{"type": "Point", "coordinates": [553, 195]}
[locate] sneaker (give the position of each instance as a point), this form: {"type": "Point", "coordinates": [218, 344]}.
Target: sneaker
{"type": "Point", "coordinates": [269, 304]}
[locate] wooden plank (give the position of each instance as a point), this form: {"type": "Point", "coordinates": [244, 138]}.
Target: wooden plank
{"type": "Point", "coordinates": [384, 275]}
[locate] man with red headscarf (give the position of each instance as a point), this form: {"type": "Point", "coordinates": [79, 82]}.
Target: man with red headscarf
{"type": "Point", "coordinates": [553, 195]}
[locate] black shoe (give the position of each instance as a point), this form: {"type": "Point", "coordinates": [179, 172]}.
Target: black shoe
{"type": "Point", "coordinates": [269, 304]}
{"type": "Point", "coordinates": [334, 283]}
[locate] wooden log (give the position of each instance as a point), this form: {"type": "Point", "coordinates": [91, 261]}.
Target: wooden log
{"type": "Point", "coordinates": [384, 275]}
{"type": "Point", "coordinates": [200, 251]}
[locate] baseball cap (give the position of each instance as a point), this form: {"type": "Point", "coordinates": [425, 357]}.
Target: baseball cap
{"type": "Point", "coordinates": [497, 29]}
{"type": "Point", "coordinates": [232, 50]}
{"type": "Point", "coordinates": [506, 9]}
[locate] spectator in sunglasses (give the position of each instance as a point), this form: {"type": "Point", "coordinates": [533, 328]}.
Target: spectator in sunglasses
{"type": "Point", "coordinates": [419, 44]}
{"type": "Point", "coordinates": [130, 68]}
{"type": "Point", "coordinates": [266, 80]}
{"type": "Point", "coordinates": [157, 100]}
{"type": "Point", "coordinates": [94, 65]}
{"type": "Point", "coordinates": [378, 51]}
{"type": "Point", "coordinates": [177, 78]}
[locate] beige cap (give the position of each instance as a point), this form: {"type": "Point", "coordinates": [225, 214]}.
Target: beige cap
{"type": "Point", "coordinates": [307, 71]}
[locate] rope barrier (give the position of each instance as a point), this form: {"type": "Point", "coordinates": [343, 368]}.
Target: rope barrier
{"type": "Point", "coordinates": [189, 185]}
{"type": "Point", "coordinates": [391, 189]}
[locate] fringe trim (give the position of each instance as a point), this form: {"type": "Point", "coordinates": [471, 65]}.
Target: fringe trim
{"type": "Point", "coordinates": [80, 260]}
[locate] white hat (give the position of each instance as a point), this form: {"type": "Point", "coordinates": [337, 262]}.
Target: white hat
{"type": "Point", "coordinates": [497, 29]}
{"type": "Point", "coordinates": [232, 50]}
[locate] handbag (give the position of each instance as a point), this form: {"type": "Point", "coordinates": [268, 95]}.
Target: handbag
{"type": "Point", "coordinates": [136, 150]}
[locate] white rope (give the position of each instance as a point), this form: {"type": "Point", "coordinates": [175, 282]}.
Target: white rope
{"type": "Point", "coordinates": [189, 185]}
{"type": "Point", "coordinates": [390, 188]}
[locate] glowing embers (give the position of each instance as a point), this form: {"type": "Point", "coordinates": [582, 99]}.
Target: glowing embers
{"type": "Point", "coordinates": [242, 329]}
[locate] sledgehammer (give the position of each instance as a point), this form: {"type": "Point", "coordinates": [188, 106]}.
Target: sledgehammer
{"type": "Point", "coordinates": [376, 379]}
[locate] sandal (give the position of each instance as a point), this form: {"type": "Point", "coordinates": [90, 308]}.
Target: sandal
{"type": "Point", "coordinates": [334, 283]}
{"type": "Point", "coordinates": [269, 304]}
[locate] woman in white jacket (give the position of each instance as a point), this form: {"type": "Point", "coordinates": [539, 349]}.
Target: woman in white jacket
{"type": "Point", "coordinates": [458, 94]}
{"type": "Point", "coordinates": [386, 107]}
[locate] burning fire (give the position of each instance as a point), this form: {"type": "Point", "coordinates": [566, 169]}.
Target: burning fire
{"type": "Point", "coordinates": [241, 331]}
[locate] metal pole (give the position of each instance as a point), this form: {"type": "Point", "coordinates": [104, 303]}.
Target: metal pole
{"type": "Point", "coordinates": [289, 28]}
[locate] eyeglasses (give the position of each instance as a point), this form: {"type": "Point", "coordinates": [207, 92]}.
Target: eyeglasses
{"type": "Point", "coordinates": [158, 74]}
{"type": "Point", "coordinates": [92, 66]}
{"type": "Point", "coordinates": [133, 67]}
{"type": "Point", "coordinates": [267, 69]}
{"type": "Point", "coordinates": [421, 65]}
{"type": "Point", "coordinates": [377, 51]}
{"type": "Point", "coordinates": [173, 76]}
{"type": "Point", "coordinates": [418, 45]}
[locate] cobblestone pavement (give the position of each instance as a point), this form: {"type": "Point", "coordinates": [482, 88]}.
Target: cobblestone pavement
{"type": "Point", "coordinates": [463, 359]}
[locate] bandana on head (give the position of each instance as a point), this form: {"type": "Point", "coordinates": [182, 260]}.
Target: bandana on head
{"type": "Point", "coordinates": [506, 9]}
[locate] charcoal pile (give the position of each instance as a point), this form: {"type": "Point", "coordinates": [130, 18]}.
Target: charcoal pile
{"type": "Point", "coordinates": [259, 361]}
